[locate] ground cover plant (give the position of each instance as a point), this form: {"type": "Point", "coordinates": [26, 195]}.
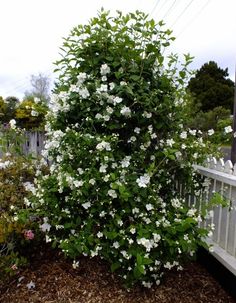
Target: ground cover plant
{"type": "Point", "coordinates": [117, 144]}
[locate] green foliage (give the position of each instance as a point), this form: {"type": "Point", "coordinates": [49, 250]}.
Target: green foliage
{"type": "Point", "coordinates": [117, 144]}
{"type": "Point", "coordinates": [211, 87]}
{"type": "Point", "coordinates": [31, 114]}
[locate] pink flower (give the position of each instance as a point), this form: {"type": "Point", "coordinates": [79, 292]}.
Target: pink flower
{"type": "Point", "coordinates": [14, 267]}
{"type": "Point", "coordinates": [29, 235]}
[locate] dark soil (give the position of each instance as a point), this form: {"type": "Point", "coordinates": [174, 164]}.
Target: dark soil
{"type": "Point", "coordinates": [57, 282]}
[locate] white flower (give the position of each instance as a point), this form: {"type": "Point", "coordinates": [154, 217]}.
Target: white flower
{"type": "Point", "coordinates": [183, 135]}
{"type": "Point", "coordinates": [12, 123]}
{"type": "Point", "coordinates": [149, 207]}
{"type": "Point", "coordinates": [116, 245]}
{"type": "Point", "coordinates": [112, 193]}
{"type": "Point", "coordinates": [125, 254]}
{"type": "Point", "coordinates": [36, 100]}
{"type": "Point", "coordinates": [78, 183]}
{"type": "Point", "coordinates": [112, 85]}
{"type": "Point", "coordinates": [29, 187]}
{"type": "Point", "coordinates": [120, 222]}
{"type": "Point", "coordinates": [75, 264]}
{"type": "Point", "coordinates": [109, 110]}
{"type": "Point", "coordinates": [211, 132]}
{"type": "Point", "coordinates": [132, 230]}
{"type": "Point", "coordinates": [98, 116]}
{"type": "Point", "coordinates": [117, 100]}
{"type": "Point", "coordinates": [103, 168]}
{"type": "Point", "coordinates": [99, 234]}
{"type": "Point", "coordinates": [178, 154]}
{"type": "Point", "coordinates": [132, 139]}
{"type": "Point", "coordinates": [81, 78]}
{"type": "Point", "coordinates": [137, 130]}
{"type": "Point", "coordinates": [211, 249]}
{"type": "Point", "coordinates": [45, 227]}
{"type": "Point", "coordinates": [104, 78]}
{"type": "Point", "coordinates": [176, 203]}
{"type": "Point", "coordinates": [125, 111]}
{"type": "Point", "coordinates": [106, 118]}
{"type": "Point", "coordinates": [30, 285]}
{"type": "Point", "coordinates": [147, 284]}
{"type": "Point", "coordinates": [105, 69]}
{"type": "Point", "coordinates": [92, 181]}
{"type": "Point", "coordinates": [123, 83]}
{"type": "Point", "coordinates": [147, 115]}
{"type": "Point", "coordinates": [47, 239]}
{"type": "Point", "coordinates": [228, 129]}
{"type": "Point", "coordinates": [86, 205]}
{"type": "Point", "coordinates": [210, 234]}
{"type": "Point", "coordinates": [84, 93]}
{"type": "Point", "coordinates": [191, 212]}
{"type": "Point", "coordinates": [103, 145]}
{"type": "Point", "coordinates": [102, 88]}
{"type": "Point", "coordinates": [135, 210]}
{"type": "Point", "coordinates": [143, 180]}
{"type": "Point", "coordinates": [193, 132]}
{"type": "Point", "coordinates": [125, 162]}
{"type": "Point", "coordinates": [156, 237]}
{"type": "Point", "coordinates": [34, 113]}
{"type": "Point", "coordinates": [148, 244]}
{"type": "Point", "coordinates": [170, 142]}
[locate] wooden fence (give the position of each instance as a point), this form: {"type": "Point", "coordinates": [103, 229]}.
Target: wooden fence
{"type": "Point", "coordinates": [222, 178]}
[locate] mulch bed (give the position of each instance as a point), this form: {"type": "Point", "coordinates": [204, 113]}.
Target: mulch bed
{"type": "Point", "coordinates": [57, 282]}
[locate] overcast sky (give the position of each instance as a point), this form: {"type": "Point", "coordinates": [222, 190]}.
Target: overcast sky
{"type": "Point", "coordinates": [31, 32]}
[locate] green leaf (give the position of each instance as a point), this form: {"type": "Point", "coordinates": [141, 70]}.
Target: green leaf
{"type": "Point", "coordinates": [139, 259]}
{"type": "Point", "coordinates": [135, 77]}
{"type": "Point", "coordinates": [137, 272]}
{"type": "Point", "coordinates": [115, 266]}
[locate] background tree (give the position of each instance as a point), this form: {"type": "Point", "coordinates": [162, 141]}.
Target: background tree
{"type": "Point", "coordinates": [210, 119]}
{"type": "Point", "coordinates": [11, 105]}
{"type": "Point", "coordinates": [2, 109]}
{"type": "Point", "coordinates": [211, 87]}
{"type": "Point", "coordinates": [40, 87]}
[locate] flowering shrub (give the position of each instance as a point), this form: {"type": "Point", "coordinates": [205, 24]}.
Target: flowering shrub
{"type": "Point", "coordinates": [117, 143]}
{"type": "Point", "coordinates": [17, 231]}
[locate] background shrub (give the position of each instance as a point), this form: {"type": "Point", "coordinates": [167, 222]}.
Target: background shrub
{"type": "Point", "coordinates": [19, 233]}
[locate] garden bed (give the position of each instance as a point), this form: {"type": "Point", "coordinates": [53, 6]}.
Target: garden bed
{"type": "Point", "coordinates": [56, 282]}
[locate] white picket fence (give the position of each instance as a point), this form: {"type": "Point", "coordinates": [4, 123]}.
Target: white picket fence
{"type": "Point", "coordinates": [222, 179]}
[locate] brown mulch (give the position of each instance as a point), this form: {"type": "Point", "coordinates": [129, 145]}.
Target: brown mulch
{"type": "Point", "coordinates": [57, 282]}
